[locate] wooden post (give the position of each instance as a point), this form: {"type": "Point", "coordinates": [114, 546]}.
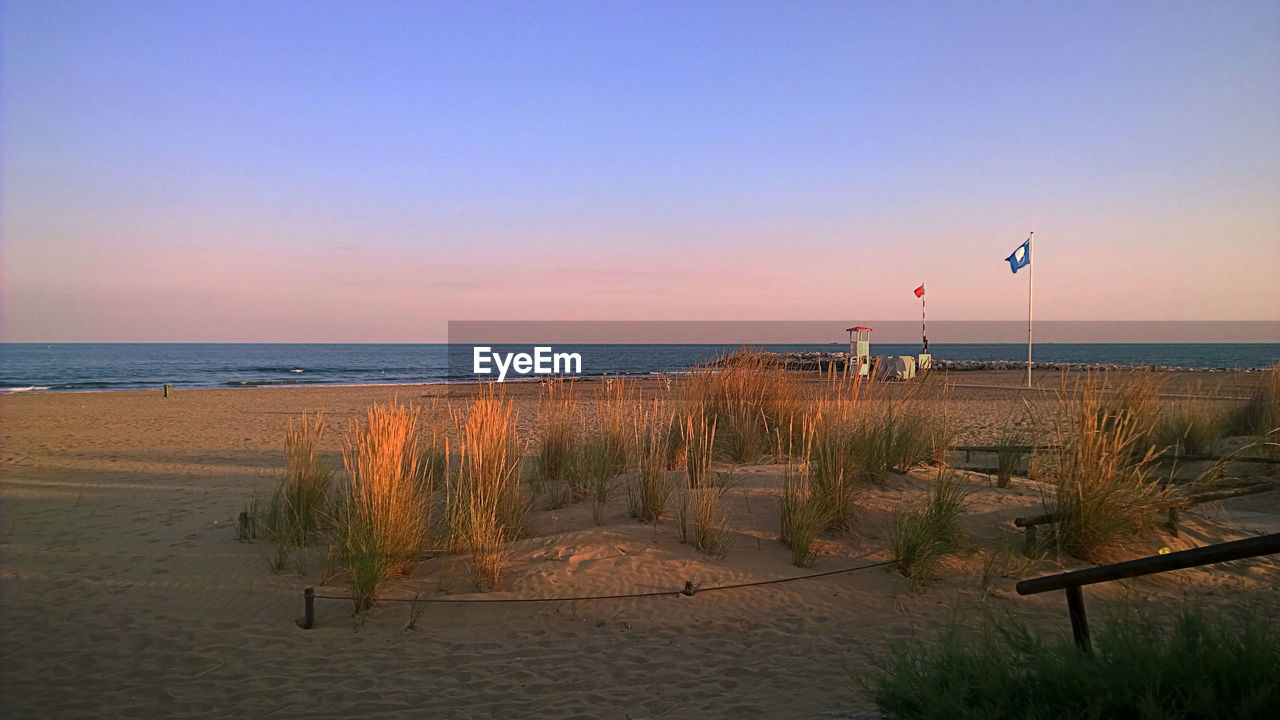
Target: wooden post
{"type": "Point", "coordinates": [1079, 621]}
{"type": "Point", "coordinates": [308, 620]}
{"type": "Point", "coordinates": [168, 389]}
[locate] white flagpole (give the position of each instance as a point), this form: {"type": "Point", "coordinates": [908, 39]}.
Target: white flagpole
{"type": "Point", "coordinates": [1031, 279]}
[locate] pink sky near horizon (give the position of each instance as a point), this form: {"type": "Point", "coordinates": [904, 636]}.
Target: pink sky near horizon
{"type": "Point", "coordinates": [147, 289]}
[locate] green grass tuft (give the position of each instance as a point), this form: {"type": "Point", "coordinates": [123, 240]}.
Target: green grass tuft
{"type": "Point", "coordinates": [649, 492]}
{"type": "Point", "coordinates": [1102, 493]}
{"type": "Point", "coordinates": [919, 539]}
{"type": "Point", "coordinates": [803, 515]}
{"type": "Point", "coordinates": [1197, 666]}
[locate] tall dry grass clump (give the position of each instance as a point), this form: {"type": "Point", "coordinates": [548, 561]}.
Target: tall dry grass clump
{"type": "Point", "coordinates": [1102, 490]}
{"type": "Point", "coordinates": [1011, 448]}
{"type": "Point", "coordinates": [894, 435]}
{"type": "Point", "coordinates": [384, 522]}
{"type": "Point", "coordinates": [832, 464]}
{"type": "Point", "coordinates": [702, 520]}
{"type": "Point", "coordinates": [803, 515]}
{"type": "Point", "coordinates": [1135, 396]}
{"type": "Point", "coordinates": [596, 467]}
{"type": "Point", "coordinates": [1260, 415]}
{"type": "Point", "coordinates": [302, 501]}
{"type": "Point", "coordinates": [698, 435]}
{"type": "Point", "coordinates": [485, 506]}
{"type": "Point", "coordinates": [559, 416]}
{"type": "Point", "coordinates": [1193, 664]}
{"type": "Point", "coordinates": [615, 405]}
{"type": "Point", "coordinates": [942, 429]}
{"type": "Point", "coordinates": [750, 397]}
{"type": "Point", "coordinates": [920, 539]}
{"type": "Point", "coordinates": [1191, 427]}
{"type": "Point", "coordinates": [650, 490]}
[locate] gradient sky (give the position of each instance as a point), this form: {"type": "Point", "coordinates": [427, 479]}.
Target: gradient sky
{"type": "Point", "coordinates": [368, 171]}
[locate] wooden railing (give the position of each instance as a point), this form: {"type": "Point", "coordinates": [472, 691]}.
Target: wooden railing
{"type": "Point", "coordinates": [968, 450]}
{"type": "Point", "coordinates": [1171, 504]}
{"type": "Point", "coordinates": [1071, 582]}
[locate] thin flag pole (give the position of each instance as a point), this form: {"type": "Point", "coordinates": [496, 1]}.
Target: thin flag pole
{"type": "Point", "coordinates": [1031, 279]}
{"type": "Point", "coordinates": [924, 336]}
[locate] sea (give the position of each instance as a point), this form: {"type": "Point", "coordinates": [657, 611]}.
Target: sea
{"type": "Point", "coordinates": [81, 367]}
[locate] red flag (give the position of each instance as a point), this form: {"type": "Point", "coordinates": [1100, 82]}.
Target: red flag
{"type": "Point", "coordinates": [920, 291]}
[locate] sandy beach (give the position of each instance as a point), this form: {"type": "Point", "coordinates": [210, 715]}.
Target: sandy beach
{"type": "Point", "coordinates": [126, 593]}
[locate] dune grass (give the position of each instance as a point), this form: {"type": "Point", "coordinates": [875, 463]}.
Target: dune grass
{"type": "Point", "coordinates": [486, 507]}
{"type": "Point", "coordinates": [702, 520]}
{"type": "Point", "coordinates": [1260, 415]}
{"type": "Point", "coordinates": [831, 465]}
{"type": "Point", "coordinates": [701, 517]}
{"type": "Point", "coordinates": [802, 516]}
{"type": "Point", "coordinates": [297, 509]}
{"type": "Point", "coordinates": [881, 432]}
{"type": "Point", "coordinates": [941, 423]}
{"type": "Point", "coordinates": [1010, 449]}
{"type": "Point", "coordinates": [749, 396]}
{"type": "Point", "coordinates": [892, 435]}
{"type": "Point", "coordinates": [1200, 665]}
{"type": "Point", "coordinates": [1005, 559]}
{"type": "Point", "coordinates": [698, 435]}
{"type": "Point", "coordinates": [649, 492]}
{"type": "Point", "coordinates": [615, 405]}
{"type": "Point", "coordinates": [383, 521]}
{"type": "Point", "coordinates": [558, 414]}
{"type": "Point", "coordinates": [596, 466]}
{"type": "Point", "coordinates": [1103, 493]}
{"type": "Point", "coordinates": [1189, 427]}
{"type": "Point", "coordinates": [919, 539]}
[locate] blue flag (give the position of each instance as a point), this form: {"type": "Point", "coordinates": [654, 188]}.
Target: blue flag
{"type": "Point", "coordinates": [1021, 257]}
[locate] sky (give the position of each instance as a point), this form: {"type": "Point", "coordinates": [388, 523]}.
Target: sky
{"type": "Point", "coordinates": [367, 172]}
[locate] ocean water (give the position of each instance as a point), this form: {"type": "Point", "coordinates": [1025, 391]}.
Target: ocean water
{"type": "Point", "coordinates": [64, 367]}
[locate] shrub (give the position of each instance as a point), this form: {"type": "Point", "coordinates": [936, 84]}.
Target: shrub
{"type": "Point", "coordinates": [1260, 415]}
{"type": "Point", "coordinates": [832, 467]}
{"type": "Point", "coordinates": [701, 500]}
{"type": "Point", "coordinates": [698, 435]}
{"type": "Point", "coordinates": [803, 516]}
{"type": "Point", "coordinates": [703, 505]}
{"type": "Point", "coordinates": [1010, 449]}
{"type": "Point", "coordinates": [1102, 493]}
{"type": "Point", "coordinates": [1199, 666]}
{"type": "Point", "coordinates": [650, 491]}
{"type": "Point", "coordinates": [749, 396]}
{"type": "Point", "coordinates": [300, 503]}
{"type": "Point", "coordinates": [486, 507]}
{"type": "Point", "coordinates": [559, 423]}
{"type": "Point", "coordinates": [615, 403]}
{"type": "Point", "coordinates": [596, 467]}
{"type": "Point", "coordinates": [383, 521]}
{"type": "Point", "coordinates": [891, 436]}
{"type": "Point", "coordinates": [919, 539]}
{"type": "Point", "coordinates": [1189, 427]}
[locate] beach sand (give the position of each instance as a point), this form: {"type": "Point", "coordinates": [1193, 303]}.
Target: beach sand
{"type": "Point", "coordinates": [125, 592]}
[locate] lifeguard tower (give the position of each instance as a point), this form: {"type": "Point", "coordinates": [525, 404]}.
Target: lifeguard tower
{"type": "Point", "coordinates": [860, 350]}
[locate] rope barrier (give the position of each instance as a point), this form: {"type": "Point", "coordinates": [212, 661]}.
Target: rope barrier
{"type": "Point", "coordinates": [690, 588]}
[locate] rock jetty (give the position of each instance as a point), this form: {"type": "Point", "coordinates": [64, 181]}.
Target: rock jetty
{"type": "Point", "coordinates": [819, 360]}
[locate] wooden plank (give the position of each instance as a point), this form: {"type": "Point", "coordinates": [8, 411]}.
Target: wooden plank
{"type": "Point", "coordinates": [1221, 552]}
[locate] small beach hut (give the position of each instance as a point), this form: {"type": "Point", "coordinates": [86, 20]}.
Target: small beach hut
{"type": "Point", "coordinates": [860, 349]}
